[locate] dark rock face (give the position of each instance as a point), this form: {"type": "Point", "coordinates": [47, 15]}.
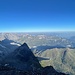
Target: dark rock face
{"type": "Point", "coordinates": [49, 70]}
{"type": "Point", "coordinates": [23, 53]}
{"type": "Point", "coordinates": [6, 43]}
{"type": "Point", "coordinates": [22, 58]}
{"type": "Point", "coordinates": [23, 62]}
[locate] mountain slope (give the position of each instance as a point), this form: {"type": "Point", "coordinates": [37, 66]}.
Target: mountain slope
{"type": "Point", "coordinates": [22, 58]}
{"type": "Point", "coordinates": [9, 44]}
{"type": "Point", "coordinates": [62, 59]}
{"type": "Point", "coordinates": [23, 62]}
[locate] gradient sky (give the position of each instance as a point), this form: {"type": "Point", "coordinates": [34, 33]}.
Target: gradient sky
{"type": "Point", "coordinates": [37, 15]}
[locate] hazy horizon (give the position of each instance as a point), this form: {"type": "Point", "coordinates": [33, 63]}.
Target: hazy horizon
{"type": "Point", "coordinates": [38, 32]}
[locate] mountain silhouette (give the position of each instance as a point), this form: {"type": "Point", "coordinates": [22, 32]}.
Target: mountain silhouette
{"type": "Point", "coordinates": [23, 62]}
{"type": "Point", "coordinates": [22, 58]}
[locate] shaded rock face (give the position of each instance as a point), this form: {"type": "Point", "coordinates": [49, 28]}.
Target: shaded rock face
{"type": "Point", "coordinates": [23, 53]}
{"type": "Point", "coordinates": [8, 46]}
{"type": "Point", "coordinates": [49, 70]}
{"type": "Point", "coordinates": [22, 58]}
{"type": "Point", "coordinates": [23, 62]}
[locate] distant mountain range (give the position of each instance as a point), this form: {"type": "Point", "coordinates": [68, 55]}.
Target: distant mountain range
{"type": "Point", "coordinates": [38, 39]}
{"type": "Point", "coordinates": [50, 49]}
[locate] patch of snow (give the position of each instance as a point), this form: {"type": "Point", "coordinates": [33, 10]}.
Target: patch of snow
{"type": "Point", "coordinates": [68, 45]}
{"type": "Point", "coordinates": [34, 46]}
{"type": "Point", "coordinates": [13, 43]}
{"type": "Point", "coordinates": [6, 64]}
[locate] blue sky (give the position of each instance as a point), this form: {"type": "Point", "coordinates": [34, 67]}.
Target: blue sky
{"type": "Point", "coordinates": [37, 15]}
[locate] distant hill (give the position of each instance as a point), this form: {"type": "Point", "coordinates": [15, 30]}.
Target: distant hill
{"type": "Point", "coordinates": [62, 59]}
